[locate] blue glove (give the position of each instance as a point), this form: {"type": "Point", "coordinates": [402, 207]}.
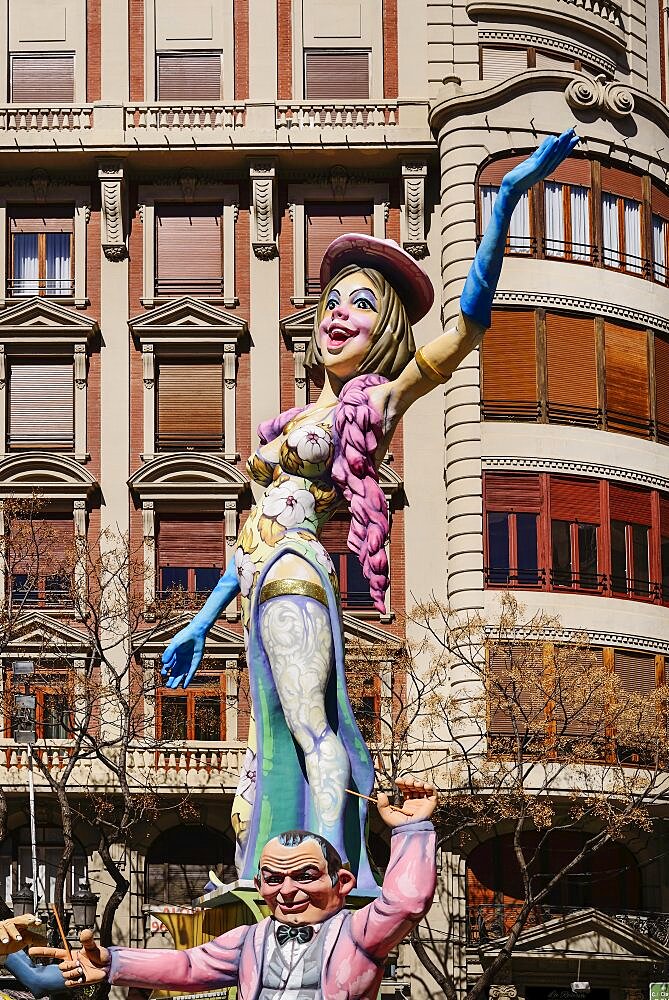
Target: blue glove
{"type": "Point", "coordinates": [481, 283]}
{"type": "Point", "coordinates": [41, 980]}
{"type": "Point", "coordinates": [184, 654]}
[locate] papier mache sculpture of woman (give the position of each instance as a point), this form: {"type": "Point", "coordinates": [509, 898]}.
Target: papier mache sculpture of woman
{"type": "Point", "coordinates": [305, 749]}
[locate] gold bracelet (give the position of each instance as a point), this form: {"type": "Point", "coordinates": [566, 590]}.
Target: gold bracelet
{"type": "Point", "coordinates": [428, 370]}
{"type": "Point", "coordinates": [293, 588]}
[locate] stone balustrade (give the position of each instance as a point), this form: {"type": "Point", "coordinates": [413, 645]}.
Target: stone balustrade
{"type": "Point", "coordinates": [606, 9]}
{"type": "Point", "coordinates": [186, 116]}
{"type": "Point", "coordinates": [37, 119]}
{"type": "Point", "coordinates": [337, 115]}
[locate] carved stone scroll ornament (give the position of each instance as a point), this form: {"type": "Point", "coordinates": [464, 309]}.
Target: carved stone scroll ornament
{"type": "Point", "coordinates": [584, 93]}
{"type": "Point", "coordinates": [503, 992]}
{"type": "Point", "coordinates": [263, 184]}
{"type": "Point", "coordinates": [414, 173]}
{"type": "Point", "coordinates": [111, 189]}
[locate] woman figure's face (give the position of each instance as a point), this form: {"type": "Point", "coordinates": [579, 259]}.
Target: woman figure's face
{"type": "Point", "coordinates": [351, 312]}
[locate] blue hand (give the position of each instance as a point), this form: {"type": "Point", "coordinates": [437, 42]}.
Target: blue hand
{"type": "Point", "coordinates": [184, 654]}
{"type": "Point", "coordinates": [481, 283]}
{"type": "Point", "coordinates": [41, 980]}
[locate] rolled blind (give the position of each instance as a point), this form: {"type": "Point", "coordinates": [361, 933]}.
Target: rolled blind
{"type": "Point", "coordinates": [660, 202]}
{"type": "Point", "coordinates": [524, 694]}
{"type": "Point", "coordinates": [43, 545]}
{"type": "Point", "coordinates": [493, 172]}
{"type": "Point", "coordinates": [546, 60]}
{"type": "Point", "coordinates": [336, 76]}
{"type": "Point", "coordinates": [40, 78]}
{"type": "Point", "coordinates": [512, 492]}
{"type": "Point", "coordinates": [627, 389]}
{"type": "Point", "coordinates": [630, 504]}
{"type": "Point", "coordinates": [575, 499]}
{"type": "Point", "coordinates": [576, 712]}
{"type": "Point", "coordinates": [190, 405]}
{"type": "Point", "coordinates": [191, 541]}
{"type": "Point", "coordinates": [510, 366]}
{"type": "Point", "coordinates": [189, 76]}
{"type": "Point", "coordinates": [621, 182]}
{"type": "Point", "coordinates": [335, 534]}
{"type": "Point", "coordinates": [41, 405]}
{"type": "Point", "coordinates": [498, 64]}
{"type": "Point", "coordinates": [571, 365]}
{"type": "Point", "coordinates": [189, 249]}
{"type": "Point", "coordinates": [573, 171]}
{"type": "Point", "coordinates": [27, 219]}
{"type": "Point", "coordinates": [636, 671]}
{"type": "Point", "coordinates": [662, 387]}
{"type": "Point", "coordinates": [324, 222]}
{"type": "Point", "coordinates": [176, 884]}
{"type": "Point", "coordinates": [664, 515]}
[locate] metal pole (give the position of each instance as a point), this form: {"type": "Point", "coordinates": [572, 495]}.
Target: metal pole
{"type": "Point", "coordinates": [33, 833]}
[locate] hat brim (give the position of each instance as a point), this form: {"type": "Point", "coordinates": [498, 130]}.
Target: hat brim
{"type": "Point", "coordinates": [406, 276]}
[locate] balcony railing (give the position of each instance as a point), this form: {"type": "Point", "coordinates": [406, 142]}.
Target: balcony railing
{"type": "Point", "coordinates": [337, 114]}
{"type": "Point", "coordinates": [488, 921]}
{"type": "Point", "coordinates": [188, 116]}
{"type": "Point", "coordinates": [38, 118]}
{"type": "Point", "coordinates": [606, 585]}
{"type": "Point", "coordinates": [52, 288]}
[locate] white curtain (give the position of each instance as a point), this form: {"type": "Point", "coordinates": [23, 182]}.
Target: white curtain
{"type": "Point", "coordinates": [488, 196]}
{"type": "Point", "coordinates": [58, 278]}
{"type": "Point", "coordinates": [554, 210]}
{"type": "Point", "coordinates": [659, 248]}
{"type": "Point", "coordinates": [632, 218]}
{"type": "Point", "coordinates": [26, 264]}
{"type": "Point", "coordinates": [611, 230]}
{"type": "Point", "coordinates": [579, 203]}
{"type": "Point", "coordinates": [519, 230]}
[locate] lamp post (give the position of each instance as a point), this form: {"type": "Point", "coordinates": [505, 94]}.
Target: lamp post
{"type": "Point", "coordinates": [22, 901]}
{"type": "Point", "coordinates": [84, 905]}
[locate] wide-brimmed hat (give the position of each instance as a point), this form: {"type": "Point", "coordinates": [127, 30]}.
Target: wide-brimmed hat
{"type": "Point", "coordinates": [406, 276]}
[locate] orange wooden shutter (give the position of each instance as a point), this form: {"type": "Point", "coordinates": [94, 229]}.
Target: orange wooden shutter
{"type": "Point", "coordinates": [662, 387]}
{"type": "Point", "coordinates": [41, 406]}
{"type": "Point", "coordinates": [493, 172]}
{"type": "Point", "coordinates": [189, 76]}
{"type": "Point", "coordinates": [576, 713]}
{"type": "Point", "coordinates": [664, 515]}
{"type": "Point", "coordinates": [335, 533]}
{"type": "Point", "coordinates": [636, 671]}
{"type": "Point", "coordinates": [39, 78]}
{"type": "Point", "coordinates": [630, 503]}
{"type": "Point", "coordinates": [190, 405]}
{"type": "Point", "coordinates": [627, 389]}
{"type": "Point", "coordinates": [573, 171]}
{"type": "Point", "coordinates": [189, 250]}
{"type": "Point", "coordinates": [191, 540]}
{"type": "Point", "coordinates": [571, 363]}
{"type": "Point", "coordinates": [336, 76]}
{"type": "Point", "coordinates": [524, 694]}
{"type": "Point", "coordinates": [660, 202]}
{"type": "Point", "coordinates": [43, 545]}
{"type": "Point", "coordinates": [621, 182]}
{"type": "Point", "coordinates": [51, 219]}
{"type": "Point", "coordinates": [510, 367]}
{"type": "Point", "coordinates": [324, 222]}
{"type": "Point", "coordinates": [512, 491]}
{"type": "Point", "coordinates": [575, 499]}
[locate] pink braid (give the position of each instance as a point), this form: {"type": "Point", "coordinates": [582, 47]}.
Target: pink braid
{"type": "Point", "coordinates": [358, 429]}
{"type": "Point", "coordinates": [268, 430]}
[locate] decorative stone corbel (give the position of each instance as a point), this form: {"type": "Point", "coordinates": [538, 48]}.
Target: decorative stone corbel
{"type": "Point", "coordinates": [2, 366]}
{"type": "Point", "coordinates": [605, 96]}
{"type": "Point", "coordinates": [338, 182]}
{"type": "Point", "coordinates": [79, 511]}
{"type": "Point", "coordinates": [148, 522]}
{"type": "Point", "coordinates": [508, 992]}
{"type": "Point", "coordinates": [263, 200]}
{"type": "Point", "coordinates": [299, 354]}
{"type": "Point", "coordinates": [111, 187]}
{"type": "Point", "coordinates": [414, 173]}
{"type": "Point", "coordinates": [80, 366]}
{"type": "Point", "coordinates": [188, 181]}
{"type": "Point", "coordinates": [39, 180]}
{"type": "Point", "coordinates": [148, 366]}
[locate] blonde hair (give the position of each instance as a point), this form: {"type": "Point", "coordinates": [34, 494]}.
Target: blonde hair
{"type": "Point", "coordinates": [392, 346]}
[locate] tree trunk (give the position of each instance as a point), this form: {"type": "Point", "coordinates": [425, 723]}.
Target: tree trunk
{"type": "Point", "coordinates": [121, 886]}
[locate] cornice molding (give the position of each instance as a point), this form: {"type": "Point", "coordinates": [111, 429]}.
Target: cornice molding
{"type": "Point", "coordinates": [562, 45]}
{"type": "Point", "coordinates": [575, 303]}
{"type": "Point", "coordinates": [597, 637]}
{"type": "Point", "coordinates": [508, 463]}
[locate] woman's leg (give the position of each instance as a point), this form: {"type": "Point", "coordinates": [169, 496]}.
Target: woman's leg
{"type": "Point", "coordinates": [297, 637]}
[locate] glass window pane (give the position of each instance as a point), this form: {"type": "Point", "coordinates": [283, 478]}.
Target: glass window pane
{"type": "Point", "coordinates": [357, 588]}
{"type": "Point", "coordinates": [526, 530]}
{"type": "Point", "coordinates": [519, 229]}
{"type": "Point", "coordinates": [54, 717]}
{"type": "Point", "coordinates": [611, 230]}
{"type": "Point", "coordinates": [554, 212]}
{"type": "Point", "coordinates": [618, 558]}
{"type": "Point", "coordinates": [174, 717]}
{"type": "Point", "coordinates": [561, 548]}
{"type": "Point", "coordinates": [587, 556]}
{"type": "Point", "coordinates": [25, 277]}
{"type": "Point", "coordinates": [579, 199]}
{"type": "Point", "coordinates": [58, 248]}
{"type": "Point", "coordinates": [207, 718]}
{"type": "Point", "coordinates": [206, 578]}
{"type": "Point", "coordinates": [489, 194]}
{"type": "Point", "coordinates": [498, 547]}
{"type": "Point", "coordinates": [24, 588]}
{"type": "Point", "coordinates": [659, 248]}
{"type": "Point", "coordinates": [173, 578]}
{"type": "Point", "coordinates": [56, 589]}
{"type": "Point", "coordinates": [640, 567]}
{"type": "Point", "coordinates": [632, 219]}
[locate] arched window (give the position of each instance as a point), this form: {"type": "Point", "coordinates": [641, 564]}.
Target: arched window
{"type": "Point", "coordinates": [16, 868]}
{"type": "Point", "coordinates": [179, 861]}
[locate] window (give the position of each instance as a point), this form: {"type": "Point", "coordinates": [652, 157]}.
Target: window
{"type": "Point", "coordinates": [575, 520]}
{"type": "Point", "coordinates": [627, 380]}
{"type": "Point", "coordinates": [41, 406]}
{"type": "Point", "coordinates": [513, 505]}
{"type": "Point", "coordinates": [41, 252]}
{"type": "Point", "coordinates": [189, 406]}
{"type": "Point", "coordinates": [621, 221]}
{"type": "Point", "coordinates": [50, 847]}
{"type": "Point", "coordinates": [353, 586]}
{"type": "Point", "coordinates": [37, 77]}
{"type": "Point", "coordinates": [571, 371]}
{"type": "Point", "coordinates": [324, 221]}
{"type": "Point", "coordinates": [336, 75]}
{"type": "Point", "coordinates": [189, 250]}
{"type": "Point", "coordinates": [195, 714]}
{"type": "Point", "coordinates": [567, 220]}
{"type": "Point", "coordinates": [509, 370]}
{"type": "Point", "coordinates": [191, 554]}
{"type": "Point", "coordinates": [519, 239]}
{"type": "Point", "coordinates": [52, 687]}
{"type": "Point", "coordinates": [178, 863]}
{"type": "Point", "coordinates": [638, 675]}
{"type": "Point", "coordinates": [664, 546]}
{"type": "Point", "coordinates": [660, 227]}
{"type": "Point", "coordinates": [501, 62]}
{"type": "Point", "coordinates": [189, 76]}
{"type": "Point", "coordinates": [41, 561]}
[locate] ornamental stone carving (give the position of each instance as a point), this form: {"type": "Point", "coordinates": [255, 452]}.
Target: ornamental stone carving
{"type": "Point", "coordinates": [414, 173]}
{"type": "Point", "coordinates": [606, 96]}
{"type": "Point", "coordinates": [339, 182]}
{"type": "Point", "coordinates": [503, 993]}
{"type": "Point", "coordinates": [111, 189]}
{"type": "Point", "coordinates": [39, 180]}
{"type": "Point", "coordinates": [263, 200]}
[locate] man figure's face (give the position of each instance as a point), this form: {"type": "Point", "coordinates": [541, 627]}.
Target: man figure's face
{"type": "Point", "coordinates": [296, 886]}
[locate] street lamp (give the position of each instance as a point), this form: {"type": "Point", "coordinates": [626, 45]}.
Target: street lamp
{"type": "Point", "coordinates": [84, 905]}
{"type": "Point", "coordinates": [22, 901]}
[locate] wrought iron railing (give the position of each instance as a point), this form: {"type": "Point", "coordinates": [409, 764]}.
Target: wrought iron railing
{"type": "Point", "coordinates": [487, 921]}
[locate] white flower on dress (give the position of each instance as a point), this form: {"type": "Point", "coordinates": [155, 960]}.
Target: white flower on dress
{"type": "Point", "coordinates": [322, 556]}
{"type": "Point", "coordinates": [312, 444]}
{"type": "Point", "coordinates": [289, 505]}
{"type": "Point", "coordinates": [245, 571]}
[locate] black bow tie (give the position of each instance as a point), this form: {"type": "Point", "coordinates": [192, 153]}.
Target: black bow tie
{"type": "Point", "coordinates": [285, 933]}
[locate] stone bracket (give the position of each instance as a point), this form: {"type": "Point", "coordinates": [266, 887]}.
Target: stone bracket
{"type": "Point", "coordinates": [414, 174]}
{"type": "Point", "coordinates": [112, 182]}
{"type": "Point", "coordinates": [263, 211]}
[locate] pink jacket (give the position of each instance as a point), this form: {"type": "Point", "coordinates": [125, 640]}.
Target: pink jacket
{"type": "Point", "coordinates": [357, 943]}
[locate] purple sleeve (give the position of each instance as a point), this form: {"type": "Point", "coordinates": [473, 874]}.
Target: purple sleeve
{"type": "Point", "coordinates": [406, 894]}
{"type": "Point", "coordinates": [207, 967]}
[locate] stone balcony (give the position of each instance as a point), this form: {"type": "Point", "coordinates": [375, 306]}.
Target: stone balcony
{"type": "Point", "coordinates": [602, 19]}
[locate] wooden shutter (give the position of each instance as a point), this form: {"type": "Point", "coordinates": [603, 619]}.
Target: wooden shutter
{"type": "Point", "coordinates": [660, 202]}
{"type": "Point", "coordinates": [636, 671]}
{"type": "Point", "coordinates": [43, 545]}
{"type": "Point", "coordinates": [324, 222]}
{"type": "Point", "coordinates": [41, 406]}
{"type": "Point", "coordinates": [512, 492]}
{"type": "Point", "coordinates": [51, 219]}
{"type": "Point", "coordinates": [575, 170]}
{"type": "Point", "coordinates": [547, 60]}
{"type": "Point", "coordinates": [189, 76]}
{"type": "Point", "coordinates": [510, 367]}
{"type": "Point", "coordinates": [664, 515]}
{"type": "Point", "coordinates": [575, 499]}
{"type": "Point", "coordinates": [631, 504]}
{"type": "Point", "coordinates": [336, 76]}
{"type": "Point", "coordinates": [335, 534]}
{"type": "Point", "coordinates": [493, 172]}
{"type": "Point", "coordinates": [627, 388]}
{"type": "Point", "coordinates": [190, 405]}
{"type": "Point", "coordinates": [662, 387]}
{"type": "Point", "coordinates": [525, 694]}
{"type": "Point", "coordinates": [176, 884]}
{"type": "Point", "coordinates": [571, 365]}
{"type": "Point", "coordinates": [498, 64]}
{"type": "Point", "coordinates": [40, 78]}
{"type": "Point", "coordinates": [191, 540]}
{"type": "Point", "coordinates": [189, 250]}
{"type": "Point", "coordinates": [621, 182]}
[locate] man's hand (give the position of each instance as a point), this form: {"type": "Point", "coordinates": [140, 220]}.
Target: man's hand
{"type": "Point", "coordinates": [420, 801]}
{"type": "Point", "coordinates": [17, 932]}
{"type": "Point", "coordinates": [88, 965]}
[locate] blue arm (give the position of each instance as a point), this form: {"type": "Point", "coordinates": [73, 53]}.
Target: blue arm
{"type": "Point", "coordinates": [183, 655]}
{"type": "Point", "coordinates": [41, 980]}
{"type": "Point", "coordinates": [481, 283]}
